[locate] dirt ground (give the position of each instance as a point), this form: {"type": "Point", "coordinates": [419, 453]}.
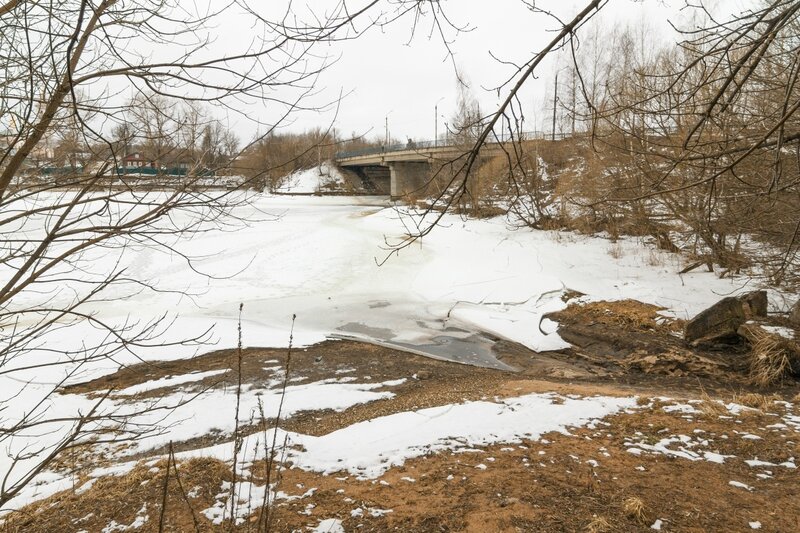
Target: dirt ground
{"type": "Point", "coordinates": [587, 480]}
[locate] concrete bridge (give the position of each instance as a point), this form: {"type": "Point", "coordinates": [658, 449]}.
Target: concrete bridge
{"type": "Point", "coordinates": [403, 169]}
{"type": "Point", "coordinates": [399, 169]}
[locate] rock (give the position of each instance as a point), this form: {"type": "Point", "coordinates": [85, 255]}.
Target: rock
{"type": "Point", "coordinates": [755, 304]}
{"type": "Point", "coordinates": [424, 374]}
{"type": "Point", "coordinates": [505, 502]}
{"type": "Point", "coordinates": [794, 314]}
{"type": "Point", "coordinates": [718, 322]}
{"type": "Point", "coordinates": [721, 321]}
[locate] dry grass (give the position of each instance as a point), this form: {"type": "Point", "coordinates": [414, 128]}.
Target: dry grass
{"type": "Point", "coordinates": [762, 402]}
{"type": "Point", "coordinates": [771, 356]}
{"type": "Point", "coordinates": [711, 407]}
{"type": "Point", "coordinates": [627, 314]}
{"type": "Point", "coordinates": [119, 498]}
{"type": "Point", "coordinates": [635, 509]}
{"type": "Point", "coordinates": [654, 258]}
{"type": "Point", "coordinates": [598, 524]}
{"type": "Point", "coordinates": [615, 251]}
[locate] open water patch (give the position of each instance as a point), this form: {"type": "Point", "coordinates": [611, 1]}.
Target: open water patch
{"type": "Point", "coordinates": [454, 345]}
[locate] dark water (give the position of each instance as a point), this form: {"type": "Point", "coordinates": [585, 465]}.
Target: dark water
{"type": "Point", "coordinates": [452, 344]}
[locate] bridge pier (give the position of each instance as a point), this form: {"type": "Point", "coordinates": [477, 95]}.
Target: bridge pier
{"type": "Point", "coordinates": [409, 177]}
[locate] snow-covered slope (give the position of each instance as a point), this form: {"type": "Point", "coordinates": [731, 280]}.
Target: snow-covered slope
{"type": "Point", "coordinates": [323, 178]}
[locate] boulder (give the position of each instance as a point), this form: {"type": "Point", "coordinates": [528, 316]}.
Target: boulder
{"type": "Point", "coordinates": [794, 314]}
{"type": "Point", "coordinates": [755, 304]}
{"type": "Point", "coordinates": [720, 322]}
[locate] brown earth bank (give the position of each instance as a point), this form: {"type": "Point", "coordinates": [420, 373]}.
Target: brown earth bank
{"type": "Point", "coordinates": [587, 480]}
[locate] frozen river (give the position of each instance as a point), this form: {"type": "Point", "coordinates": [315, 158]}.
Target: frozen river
{"type": "Point", "coordinates": [322, 259]}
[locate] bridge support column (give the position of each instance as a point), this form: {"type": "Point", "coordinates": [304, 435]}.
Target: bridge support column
{"type": "Point", "coordinates": [409, 177]}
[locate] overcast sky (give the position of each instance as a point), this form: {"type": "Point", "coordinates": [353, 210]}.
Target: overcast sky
{"type": "Point", "coordinates": [390, 74]}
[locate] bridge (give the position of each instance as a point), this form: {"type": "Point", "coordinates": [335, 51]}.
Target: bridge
{"type": "Point", "coordinates": [402, 169]}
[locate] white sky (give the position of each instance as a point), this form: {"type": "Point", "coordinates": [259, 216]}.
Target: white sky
{"type": "Point", "coordinates": [389, 74]}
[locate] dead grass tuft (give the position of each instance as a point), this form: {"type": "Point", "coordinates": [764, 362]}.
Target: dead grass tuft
{"type": "Point", "coordinates": [711, 407]}
{"type": "Point", "coordinates": [771, 356]}
{"type": "Point", "coordinates": [635, 509]}
{"type": "Point", "coordinates": [654, 258]}
{"type": "Point", "coordinates": [762, 402]}
{"type": "Point", "coordinates": [615, 251]}
{"type": "Point", "coordinates": [598, 524]}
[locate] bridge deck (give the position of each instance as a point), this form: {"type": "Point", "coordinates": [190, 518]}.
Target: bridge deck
{"type": "Point", "coordinates": [426, 151]}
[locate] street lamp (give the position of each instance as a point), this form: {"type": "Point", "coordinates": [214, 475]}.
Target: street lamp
{"type": "Point", "coordinates": [386, 126]}
{"type": "Point", "coordinates": [436, 122]}
{"type": "Point", "coordinates": [556, 100]}
{"type": "Point", "coordinates": [555, 106]}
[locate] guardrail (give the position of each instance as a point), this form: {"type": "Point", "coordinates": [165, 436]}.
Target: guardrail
{"type": "Point", "coordinates": [447, 143]}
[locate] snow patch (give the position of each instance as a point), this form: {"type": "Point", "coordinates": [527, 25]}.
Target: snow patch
{"type": "Point", "coordinates": [322, 178]}
{"type": "Point", "coordinates": [171, 381]}
{"type": "Point", "coordinates": [329, 525]}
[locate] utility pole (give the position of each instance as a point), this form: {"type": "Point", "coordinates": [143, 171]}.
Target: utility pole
{"type": "Point", "coordinates": [555, 104]}
{"type": "Point", "coordinates": [436, 122]}
{"type": "Point", "coordinates": [574, 102]}
{"type": "Point", "coordinates": [386, 126]}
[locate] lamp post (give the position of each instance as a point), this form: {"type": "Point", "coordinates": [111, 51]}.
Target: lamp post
{"type": "Point", "coordinates": [436, 122]}
{"type": "Point", "coordinates": [386, 127]}
{"type": "Point", "coordinates": [555, 106]}
{"type": "Point", "coordinates": [556, 101]}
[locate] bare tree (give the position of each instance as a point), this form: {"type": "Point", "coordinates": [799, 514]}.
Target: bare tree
{"type": "Point", "coordinates": [704, 135]}
{"type": "Point", "coordinates": [693, 143]}
{"type": "Point", "coordinates": [123, 74]}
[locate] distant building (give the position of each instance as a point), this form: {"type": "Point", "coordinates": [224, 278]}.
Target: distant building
{"type": "Point", "coordinates": [137, 160]}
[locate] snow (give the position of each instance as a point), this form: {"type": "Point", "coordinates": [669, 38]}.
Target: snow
{"type": "Point", "coordinates": [85, 487]}
{"type": "Point", "coordinates": [140, 520]}
{"type": "Point", "coordinates": [687, 448]}
{"type": "Point", "coordinates": [214, 410]}
{"type": "Point", "coordinates": [171, 381]}
{"type": "Point", "coordinates": [370, 448]}
{"type": "Point", "coordinates": [779, 330]}
{"type": "Point", "coordinates": [325, 177]}
{"type": "Point", "coordinates": [318, 258]}
{"type": "Point", "coordinates": [754, 525]}
{"type": "Point", "coordinates": [657, 525]}
{"type": "Point", "coordinates": [740, 485]}
{"type": "Point", "coordinates": [207, 412]}
{"type": "Point", "coordinates": [329, 525]}
{"type": "Point", "coordinates": [243, 507]}
{"type": "Point", "coordinates": [684, 408]}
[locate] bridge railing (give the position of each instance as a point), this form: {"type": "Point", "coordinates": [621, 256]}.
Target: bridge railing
{"type": "Point", "coordinates": [444, 143]}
